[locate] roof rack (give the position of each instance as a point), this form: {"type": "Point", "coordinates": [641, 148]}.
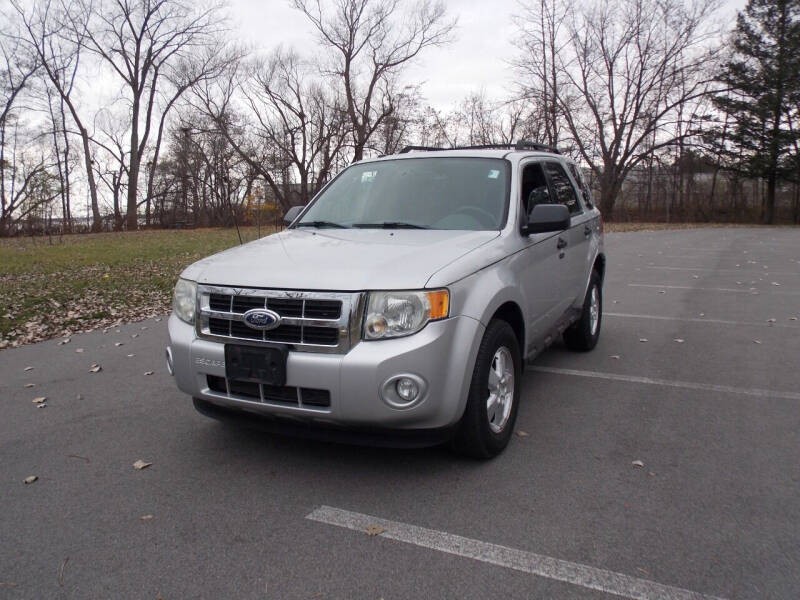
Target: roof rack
{"type": "Point", "coordinates": [520, 145]}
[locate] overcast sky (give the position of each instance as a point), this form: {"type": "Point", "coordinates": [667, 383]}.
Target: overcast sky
{"type": "Point", "coordinates": [477, 59]}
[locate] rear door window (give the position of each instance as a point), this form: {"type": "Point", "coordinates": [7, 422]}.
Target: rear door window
{"type": "Point", "coordinates": [562, 187]}
{"type": "Point", "coordinates": [578, 177]}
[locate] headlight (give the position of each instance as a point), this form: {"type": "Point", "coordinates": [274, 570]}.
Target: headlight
{"type": "Point", "coordinates": [395, 314]}
{"type": "Point", "coordinates": [183, 300]}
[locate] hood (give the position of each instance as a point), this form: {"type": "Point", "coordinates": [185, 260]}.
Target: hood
{"type": "Point", "coordinates": [341, 260]}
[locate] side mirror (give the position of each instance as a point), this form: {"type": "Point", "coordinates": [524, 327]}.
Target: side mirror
{"type": "Point", "coordinates": [291, 214]}
{"type": "Point", "coordinates": [545, 218]}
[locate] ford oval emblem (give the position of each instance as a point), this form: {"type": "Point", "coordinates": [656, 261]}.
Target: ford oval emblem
{"type": "Point", "coordinates": [262, 319]}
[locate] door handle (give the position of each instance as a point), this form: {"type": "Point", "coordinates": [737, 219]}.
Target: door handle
{"type": "Point", "coordinates": [562, 243]}
{"type": "Point", "coordinates": [587, 231]}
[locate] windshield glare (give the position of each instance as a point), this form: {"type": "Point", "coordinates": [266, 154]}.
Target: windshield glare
{"type": "Point", "coordinates": [430, 193]}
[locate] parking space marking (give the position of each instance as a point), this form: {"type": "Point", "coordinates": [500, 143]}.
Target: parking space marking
{"type": "Point", "coordinates": [705, 289]}
{"type": "Point", "coordinates": [585, 576]}
{"type": "Point", "coordinates": [690, 385]}
{"type": "Point", "coordinates": [740, 271]}
{"type": "Point", "coordinates": [699, 320]}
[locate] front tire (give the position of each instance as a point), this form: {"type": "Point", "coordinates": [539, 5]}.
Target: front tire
{"type": "Point", "coordinates": [488, 421]}
{"type": "Point", "coordinates": [582, 335]}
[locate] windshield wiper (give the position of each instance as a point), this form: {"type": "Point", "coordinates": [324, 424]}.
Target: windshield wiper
{"type": "Point", "coordinates": [389, 225]}
{"type": "Point", "coordinates": [321, 224]}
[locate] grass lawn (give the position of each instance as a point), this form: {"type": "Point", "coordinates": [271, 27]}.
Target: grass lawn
{"type": "Point", "coordinates": [82, 282]}
{"type": "Point", "coordinates": [75, 283]}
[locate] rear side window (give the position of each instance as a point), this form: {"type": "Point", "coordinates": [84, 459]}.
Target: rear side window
{"type": "Point", "coordinates": [562, 186]}
{"type": "Point", "coordinates": [578, 177]}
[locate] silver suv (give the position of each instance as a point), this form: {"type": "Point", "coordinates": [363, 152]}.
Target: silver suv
{"type": "Point", "coordinates": [400, 305]}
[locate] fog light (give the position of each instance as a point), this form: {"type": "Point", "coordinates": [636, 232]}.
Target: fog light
{"type": "Point", "coordinates": [407, 389]}
{"type": "Point", "coordinates": [404, 390]}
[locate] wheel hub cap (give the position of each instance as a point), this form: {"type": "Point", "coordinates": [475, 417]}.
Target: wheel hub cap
{"type": "Point", "coordinates": [501, 389]}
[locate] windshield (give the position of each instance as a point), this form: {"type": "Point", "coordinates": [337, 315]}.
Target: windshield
{"type": "Point", "coordinates": [415, 193]}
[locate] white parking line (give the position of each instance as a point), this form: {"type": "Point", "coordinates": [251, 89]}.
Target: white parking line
{"type": "Point", "coordinates": [706, 387]}
{"type": "Point", "coordinates": [761, 271]}
{"type": "Point", "coordinates": [699, 320]}
{"type": "Point", "coordinates": [705, 289]}
{"type": "Point", "coordinates": [510, 558]}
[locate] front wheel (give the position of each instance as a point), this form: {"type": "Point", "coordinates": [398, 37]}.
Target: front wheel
{"type": "Point", "coordinates": [582, 335]}
{"type": "Point", "coordinates": [491, 411]}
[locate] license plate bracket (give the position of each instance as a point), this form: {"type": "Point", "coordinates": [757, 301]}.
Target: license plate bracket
{"type": "Point", "coordinates": [262, 364]}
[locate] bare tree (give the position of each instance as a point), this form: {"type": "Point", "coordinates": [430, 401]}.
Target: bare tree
{"type": "Point", "coordinates": [59, 52]}
{"type": "Point", "coordinates": [371, 41]}
{"type": "Point", "coordinates": [296, 128]}
{"type": "Point", "coordinates": [142, 42]}
{"type": "Point", "coordinates": [624, 68]}
{"type": "Point", "coordinates": [543, 24]}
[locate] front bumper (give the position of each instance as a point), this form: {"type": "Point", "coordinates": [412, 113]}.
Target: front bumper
{"type": "Point", "coordinates": [443, 354]}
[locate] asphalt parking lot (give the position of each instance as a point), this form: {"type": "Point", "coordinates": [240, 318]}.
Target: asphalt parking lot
{"type": "Point", "coordinates": [696, 378]}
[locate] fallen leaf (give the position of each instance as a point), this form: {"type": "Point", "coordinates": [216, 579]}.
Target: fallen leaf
{"type": "Point", "coordinates": [756, 341]}
{"type": "Point", "coordinates": [79, 350]}
{"type": "Point", "coordinates": [695, 276]}
{"type": "Point", "coordinates": [679, 340]}
{"type": "Point", "coordinates": [702, 314]}
{"type": "Point", "coordinates": [146, 517]}
{"type": "Point", "coordinates": [771, 320]}
{"type": "Point", "coordinates": [662, 292]}
{"type": "Point", "coordinates": [64, 341]}
{"type": "Point", "coordinates": [140, 464]}
{"type": "Point", "coordinates": [775, 283]}
{"type": "Point", "coordinates": [30, 479]}
{"type": "Point", "coordinates": [96, 369]}
{"type": "Point", "coordinates": [521, 433]}
{"type": "Point", "coordinates": [637, 463]}
{"type": "Point", "coordinates": [143, 328]}
{"type": "Point", "coordinates": [615, 356]}
{"type": "Point", "coordinates": [375, 530]}
{"type": "Point", "coordinates": [30, 385]}
{"type": "Point", "coordinates": [130, 355]}
{"type": "Point", "coordinates": [28, 369]}
{"type": "Point", "coordinates": [78, 397]}
{"type": "Point", "coordinates": [39, 400]}
{"type": "Point", "coordinates": [43, 405]}
{"type": "Point", "coordinates": [642, 339]}
{"type": "Point", "coordinates": [793, 318]}
{"type": "Point", "coordinates": [61, 572]}
{"type": "Point", "coordinates": [651, 474]}
{"type": "Point", "coordinates": [134, 335]}
{"type": "Point", "coordinates": [118, 344]}
{"type": "Point", "coordinates": [158, 320]}
{"type": "Point", "coordinates": [148, 372]}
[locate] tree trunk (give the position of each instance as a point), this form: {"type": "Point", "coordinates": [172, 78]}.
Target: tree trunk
{"type": "Point", "coordinates": [609, 189]}
{"type": "Point", "coordinates": [132, 220]}
{"type": "Point", "coordinates": [97, 221]}
{"type": "Point", "coordinates": [769, 208]}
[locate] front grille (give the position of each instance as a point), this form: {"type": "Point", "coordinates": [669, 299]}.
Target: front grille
{"type": "Point", "coordinates": [315, 321]}
{"type": "Point", "coordinates": [271, 394]}
{"type": "Point", "coordinates": [329, 310]}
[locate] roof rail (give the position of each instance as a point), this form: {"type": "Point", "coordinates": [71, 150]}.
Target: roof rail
{"type": "Point", "coordinates": [520, 145]}
{"type": "Point", "coordinates": [528, 145]}
{"type": "Point", "coordinates": [408, 149]}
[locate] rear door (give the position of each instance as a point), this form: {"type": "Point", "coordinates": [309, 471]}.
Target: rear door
{"type": "Point", "coordinates": [539, 266]}
{"type": "Point", "coordinates": [574, 241]}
